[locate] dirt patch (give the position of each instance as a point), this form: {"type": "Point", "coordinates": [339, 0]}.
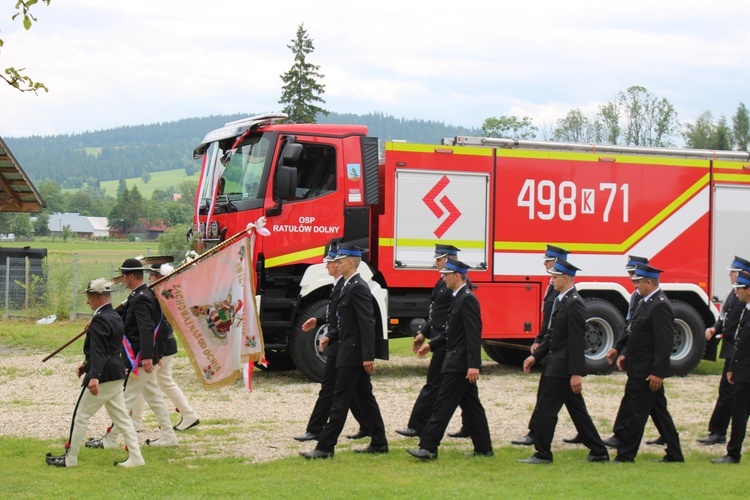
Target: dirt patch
{"type": "Point", "coordinates": [37, 400]}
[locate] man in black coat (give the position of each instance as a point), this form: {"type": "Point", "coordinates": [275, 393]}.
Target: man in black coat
{"type": "Point", "coordinates": [103, 381]}
{"type": "Point", "coordinates": [355, 360]}
{"type": "Point", "coordinates": [738, 374]}
{"type": "Point", "coordinates": [142, 318]}
{"type": "Point", "coordinates": [328, 346]}
{"type": "Point", "coordinates": [562, 353]}
{"type": "Point", "coordinates": [435, 327]}
{"type": "Point", "coordinates": [618, 428]}
{"type": "Point", "coordinates": [552, 253]}
{"type": "Point", "coordinates": [647, 358]}
{"type": "Point", "coordinates": [725, 328]}
{"type": "Point", "coordinates": [460, 371]}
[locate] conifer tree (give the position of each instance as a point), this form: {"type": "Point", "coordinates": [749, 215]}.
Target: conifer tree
{"type": "Point", "coordinates": [302, 89]}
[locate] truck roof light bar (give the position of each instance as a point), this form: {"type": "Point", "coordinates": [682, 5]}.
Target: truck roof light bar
{"type": "Point", "coordinates": [236, 128]}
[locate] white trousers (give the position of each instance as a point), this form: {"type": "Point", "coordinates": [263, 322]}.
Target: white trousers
{"type": "Point", "coordinates": [146, 385]}
{"type": "Point", "coordinates": [110, 396]}
{"type": "Point", "coordinates": [170, 389]}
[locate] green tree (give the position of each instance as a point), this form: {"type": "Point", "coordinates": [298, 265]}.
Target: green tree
{"type": "Point", "coordinates": [160, 196]}
{"type": "Point", "coordinates": [723, 136]}
{"type": "Point", "coordinates": [174, 241]}
{"type": "Point", "coordinates": [188, 190]}
{"type": "Point", "coordinates": [608, 120]}
{"type": "Point", "coordinates": [146, 176]}
{"type": "Point", "coordinates": [302, 88]}
{"type": "Point", "coordinates": [52, 194]}
{"type": "Point", "coordinates": [19, 223]}
{"type": "Point", "coordinates": [699, 135]}
{"type": "Point", "coordinates": [15, 77]}
{"type": "Point", "coordinates": [741, 127]}
{"type": "Point", "coordinates": [510, 127]}
{"type": "Point", "coordinates": [644, 118]}
{"type": "Point", "coordinates": [66, 233]}
{"type": "Point", "coordinates": [127, 210]}
{"type": "Point", "coordinates": [122, 186]}
{"type": "Point", "coordinates": [41, 224]}
{"type": "Point", "coordinates": [576, 127]}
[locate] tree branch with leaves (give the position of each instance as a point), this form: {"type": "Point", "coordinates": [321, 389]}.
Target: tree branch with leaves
{"type": "Point", "coordinates": [302, 87]}
{"type": "Point", "coordinates": [13, 76]}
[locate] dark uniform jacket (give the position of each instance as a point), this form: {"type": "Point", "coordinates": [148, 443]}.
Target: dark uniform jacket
{"type": "Point", "coordinates": [549, 298]}
{"type": "Point", "coordinates": [166, 342]}
{"type": "Point", "coordinates": [102, 347]}
{"type": "Point", "coordinates": [330, 318]}
{"type": "Point", "coordinates": [726, 325]}
{"type": "Point", "coordinates": [635, 299]}
{"type": "Point", "coordinates": [650, 338]}
{"type": "Point", "coordinates": [356, 324]}
{"type": "Point", "coordinates": [563, 349]}
{"type": "Point", "coordinates": [463, 338]}
{"type": "Point", "coordinates": [442, 296]}
{"type": "Point", "coordinates": [740, 361]}
{"type": "Point", "coordinates": [142, 315]}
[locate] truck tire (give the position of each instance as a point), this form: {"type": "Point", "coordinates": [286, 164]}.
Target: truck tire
{"type": "Point", "coordinates": [304, 345]}
{"type": "Point", "coordinates": [689, 338]}
{"type": "Point", "coordinates": [506, 355]}
{"type": "Point", "coordinates": [603, 326]}
{"type": "Point", "coordinates": [278, 361]}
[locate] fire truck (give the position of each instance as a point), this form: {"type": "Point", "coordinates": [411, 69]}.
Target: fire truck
{"type": "Point", "coordinates": [501, 201]}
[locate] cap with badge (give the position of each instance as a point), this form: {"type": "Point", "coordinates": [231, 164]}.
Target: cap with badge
{"type": "Point", "coordinates": [455, 266]}
{"type": "Point", "coordinates": [739, 264]}
{"type": "Point", "coordinates": [562, 266]}
{"type": "Point", "coordinates": [348, 250]}
{"type": "Point", "coordinates": [554, 252]}
{"type": "Point", "coordinates": [330, 255]}
{"type": "Point", "coordinates": [634, 261]}
{"type": "Point", "coordinates": [646, 271]}
{"type": "Point", "coordinates": [743, 280]}
{"type": "Point", "coordinates": [442, 250]}
{"type": "Point", "coordinates": [98, 286]}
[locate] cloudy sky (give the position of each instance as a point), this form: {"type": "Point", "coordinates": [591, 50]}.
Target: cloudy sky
{"type": "Point", "coordinates": [110, 63]}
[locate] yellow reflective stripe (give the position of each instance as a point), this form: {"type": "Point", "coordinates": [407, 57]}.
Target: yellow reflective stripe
{"type": "Point", "coordinates": [611, 247]}
{"type": "Point", "coordinates": [385, 242]}
{"type": "Point", "coordinates": [294, 257]}
{"type": "Point", "coordinates": [730, 165]}
{"type": "Point", "coordinates": [430, 148]}
{"type": "Point", "coordinates": [428, 243]}
{"type": "Point", "coordinates": [738, 178]}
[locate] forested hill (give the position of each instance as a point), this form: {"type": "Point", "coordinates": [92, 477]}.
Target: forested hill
{"type": "Point", "coordinates": [126, 152]}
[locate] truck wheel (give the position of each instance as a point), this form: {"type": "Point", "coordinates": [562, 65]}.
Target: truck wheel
{"type": "Point", "coordinates": [689, 338]}
{"type": "Point", "coordinates": [304, 345]}
{"type": "Point", "coordinates": [278, 361]}
{"type": "Point", "coordinates": [506, 355]}
{"type": "Point", "coordinates": [603, 326]}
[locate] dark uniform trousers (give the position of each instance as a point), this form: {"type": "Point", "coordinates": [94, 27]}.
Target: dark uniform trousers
{"type": "Point", "coordinates": [660, 418]}
{"type": "Point", "coordinates": [722, 413]}
{"type": "Point", "coordinates": [455, 390]}
{"type": "Point", "coordinates": [554, 392]}
{"type": "Point", "coordinates": [425, 402]}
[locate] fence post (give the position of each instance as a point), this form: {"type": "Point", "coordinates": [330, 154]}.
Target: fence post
{"type": "Point", "coordinates": [73, 311]}
{"type": "Point", "coordinates": [6, 315]}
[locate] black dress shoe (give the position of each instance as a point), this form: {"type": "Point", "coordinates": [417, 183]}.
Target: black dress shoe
{"type": "Point", "coordinates": [95, 443]}
{"type": "Point", "coordinates": [373, 449]}
{"type": "Point", "coordinates": [612, 442]}
{"type": "Point", "coordinates": [534, 460]}
{"type": "Point", "coordinates": [422, 454]}
{"type": "Point", "coordinates": [56, 461]}
{"type": "Point", "coordinates": [527, 440]}
{"type": "Point", "coordinates": [359, 435]}
{"type": "Point", "coordinates": [483, 454]}
{"type": "Point", "coordinates": [622, 460]}
{"type": "Point", "coordinates": [713, 439]}
{"type": "Point", "coordinates": [574, 440]}
{"type": "Point", "coordinates": [597, 458]}
{"type": "Point", "coordinates": [660, 441]}
{"type": "Point", "coordinates": [183, 426]}
{"type": "Point", "coordinates": [725, 460]}
{"type": "Point", "coordinates": [460, 434]}
{"type": "Point", "coordinates": [408, 432]}
{"type": "Point", "coordinates": [307, 436]}
{"type": "Point", "coordinates": [666, 459]}
{"type": "Point", "coordinates": [316, 454]}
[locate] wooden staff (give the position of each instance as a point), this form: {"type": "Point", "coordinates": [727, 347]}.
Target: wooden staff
{"type": "Point", "coordinates": [201, 257]}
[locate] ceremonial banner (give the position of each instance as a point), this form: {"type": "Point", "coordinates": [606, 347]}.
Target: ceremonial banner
{"type": "Point", "coordinates": [211, 305]}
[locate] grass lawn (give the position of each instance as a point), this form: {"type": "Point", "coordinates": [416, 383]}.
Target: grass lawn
{"type": "Point", "coordinates": [159, 180]}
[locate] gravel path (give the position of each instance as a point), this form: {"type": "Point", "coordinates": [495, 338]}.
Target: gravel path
{"type": "Point", "coordinates": [37, 400]}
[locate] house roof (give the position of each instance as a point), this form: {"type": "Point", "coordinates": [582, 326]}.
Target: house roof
{"type": "Point", "coordinates": [77, 222]}
{"type": "Point", "coordinates": [17, 193]}
{"type": "Point", "coordinates": [99, 223]}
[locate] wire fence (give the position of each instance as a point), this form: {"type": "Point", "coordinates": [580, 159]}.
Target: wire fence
{"type": "Point", "coordinates": [37, 287]}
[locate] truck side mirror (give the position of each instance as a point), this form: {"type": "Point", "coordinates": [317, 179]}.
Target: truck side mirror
{"type": "Point", "coordinates": [286, 181]}
{"type": "Point", "coordinates": [291, 153]}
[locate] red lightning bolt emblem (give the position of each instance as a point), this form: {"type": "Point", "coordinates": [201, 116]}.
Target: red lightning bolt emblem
{"type": "Point", "coordinates": [447, 205]}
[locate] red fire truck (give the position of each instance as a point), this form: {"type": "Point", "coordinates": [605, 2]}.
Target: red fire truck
{"type": "Point", "coordinates": [499, 200]}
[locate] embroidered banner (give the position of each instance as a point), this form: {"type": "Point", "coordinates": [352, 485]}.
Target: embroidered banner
{"type": "Point", "coordinates": [211, 305]}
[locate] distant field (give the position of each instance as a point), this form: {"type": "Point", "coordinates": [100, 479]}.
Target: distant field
{"type": "Point", "coordinates": [159, 180]}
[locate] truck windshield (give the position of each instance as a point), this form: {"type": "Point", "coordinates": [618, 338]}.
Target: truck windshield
{"type": "Point", "coordinates": [235, 176]}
